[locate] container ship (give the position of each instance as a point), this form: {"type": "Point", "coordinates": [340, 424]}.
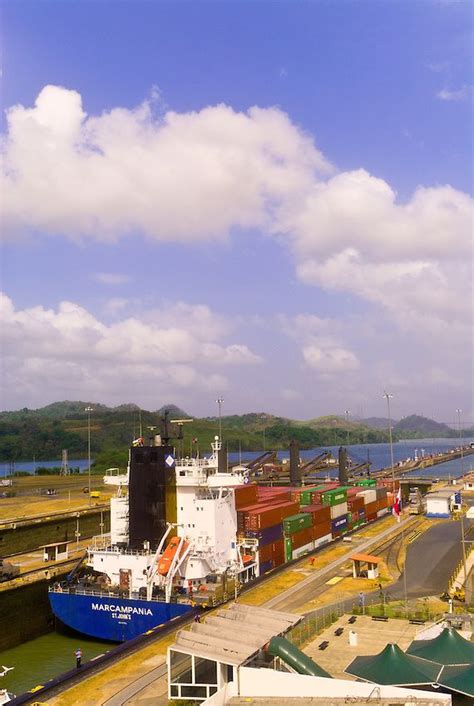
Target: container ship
{"type": "Point", "coordinates": [190, 533]}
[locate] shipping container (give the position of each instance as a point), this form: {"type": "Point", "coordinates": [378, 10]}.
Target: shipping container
{"type": "Point", "coordinates": [355, 503]}
{"type": "Point", "coordinates": [297, 522]}
{"type": "Point", "coordinates": [371, 517]}
{"type": "Point", "coordinates": [321, 529]}
{"type": "Point", "coordinates": [288, 548]}
{"type": "Point", "coordinates": [338, 510]}
{"type": "Point", "coordinates": [339, 524]}
{"type": "Point", "coordinates": [265, 567]}
{"type": "Point", "coordinates": [278, 554]}
{"type": "Point", "coordinates": [305, 549]}
{"type": "Point", "coordinates": [381, 513]}
{"type": "Point", "coordinates": [366, 482]}
{"type": "Point", "coordinates": [303, 536]}
{"type": "Point", "coordinates": [269, 515]}
{"type": "Point", "coordinates": [369, 495]}
{"type": "Point", "coordinates": [245, 495]}
{"type": "Point", "coordinates": [371, 508]}
{"type": "Point", "coordinates": [266, 535]}
{"type": "Point", "coordinates": [319, 512]}
{"type": "Point", "coordinates": [323, 540]}
{"type": "Point", "coordinates": [333, 497]}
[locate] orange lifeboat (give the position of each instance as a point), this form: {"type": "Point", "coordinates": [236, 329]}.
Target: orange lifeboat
{"type": "Point", "coordinates": [168, 555]}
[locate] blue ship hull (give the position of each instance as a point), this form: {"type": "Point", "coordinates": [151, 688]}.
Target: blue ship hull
{"type": "Point", "coordinates": [110, 618]}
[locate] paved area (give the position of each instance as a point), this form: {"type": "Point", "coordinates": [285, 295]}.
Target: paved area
{"type": "Point", "coordinates": [431, 561]}
{"type": "Point", "coordinates": [372, 636]}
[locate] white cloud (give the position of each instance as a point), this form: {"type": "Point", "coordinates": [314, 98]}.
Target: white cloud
{"type": "Point", "coordinates": [70, 349]}
{"type": "Point", "coordinates": [110, 278]}
{"type": "Point", "coordinates": [330, 360]}
{"type": "Point", "coordinates": [458, 94]}
{"type": "Point", "coordinates": [184, 177]}
{"type": "Point", "coordinates": [200, 175]}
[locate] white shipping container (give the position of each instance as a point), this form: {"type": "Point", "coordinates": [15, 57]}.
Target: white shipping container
{"type": "Point", "coordinates": [369, 495]}
{"type": "Point", "coordinates": [322, 540]}
{"type": "Point", "coordinates": [302, 550]}
{"type": "Point", "coordinates": [382, 512]}
{"type": "Point", "coordinates": [338, 510]}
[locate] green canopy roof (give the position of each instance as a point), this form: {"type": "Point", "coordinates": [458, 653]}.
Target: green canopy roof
{"type": "Point", "coordinates": [447, 648]}
{"type": "Point", "coordinates": [460, 679]}
{"type": "Point", "coordinates": [393, 666]}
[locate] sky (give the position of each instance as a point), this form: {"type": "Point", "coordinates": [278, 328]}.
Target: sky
{"type": "Point", "coordinates": [268, 203]}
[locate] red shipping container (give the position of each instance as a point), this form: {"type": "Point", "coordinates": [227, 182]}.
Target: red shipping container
{"type": "Point", "coordinates": [245, 495]}
{"type": "Point", "coordinates": [371, 517]}
{"type": "Point", "coordinates": [266, 552]}
{"type": "Point", "coordinates": [278, 555]}
{"type": "Point", "coordinates": [316, 495]}
{"type": "Point", "coordinates": [321, 529]}
{"type": "Point", "coordinates": [302, 537]}
{"type": "Point", "coordinates": [319, 512]}
{"type": "Point", "coordinates": [355, 503]}
{"type": "Point", "coordinates": [371, 508]}
{"type": "Point", "coordinates": [269, 515]}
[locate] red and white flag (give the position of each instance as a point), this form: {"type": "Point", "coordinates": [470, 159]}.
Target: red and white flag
{"type": "Point", "coordinates": [397, 505]}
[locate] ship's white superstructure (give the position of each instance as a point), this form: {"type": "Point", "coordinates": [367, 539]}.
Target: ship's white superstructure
{"type": "Point", "coordinates": [206, 528]}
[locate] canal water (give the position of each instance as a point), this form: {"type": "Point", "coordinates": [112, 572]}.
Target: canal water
{"type": "Point", "coordinates": [42, 658]}
{"type": "Point", "coordinates": [45, 657]}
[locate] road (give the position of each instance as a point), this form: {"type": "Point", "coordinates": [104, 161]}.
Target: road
{"type": "Point", "coordinates": [431, 561]}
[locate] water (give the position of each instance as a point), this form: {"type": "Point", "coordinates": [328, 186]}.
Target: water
{"type": "Point", "coordinates": [379, 455]}
{"type": "Point", "coordinates": [30, 466]}
{"type": "Point", "coordinates": [45, 657]}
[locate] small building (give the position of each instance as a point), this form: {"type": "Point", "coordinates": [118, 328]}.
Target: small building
{"type": "Point", "coordinates": [469, 482]}
{"type": "Point", "coordinates": [372, 565]}
{"type": "Point", "coordinates": [58, 551]}
{"type": "Point", "coordinates": [439, 504]}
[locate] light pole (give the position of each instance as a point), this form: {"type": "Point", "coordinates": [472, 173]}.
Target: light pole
{"type": "Point", "coordinates": [219, 402]}
{"type": "Point", "coordinates": [388, 397]}
{"type": "Point", "coordinates": [460, 440]}
{"type": "Point", "coordinates": [458, 411]}
{"type": "Point", "coordinates": [347, 413]}
{"type": "Point", "coordinates": [89, 410]}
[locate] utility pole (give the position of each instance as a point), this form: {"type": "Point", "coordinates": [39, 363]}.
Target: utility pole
{"type": "Point", "coordinates": [459, 411]}
{"type": "Point", "coordinates": [89, 410]}
{"type": "Point", "coordinates": [388, 397]}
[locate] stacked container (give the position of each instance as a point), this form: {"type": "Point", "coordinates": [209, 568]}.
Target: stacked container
{"type": "Point", "coordinates": [298, 532]}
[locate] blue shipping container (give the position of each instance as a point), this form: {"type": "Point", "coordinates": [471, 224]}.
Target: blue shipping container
{"type": "Point", "coordinates": [267, 535]}
{"type": "Point", "coordinates": [339, 523]}
{"type": "Point", "coordinates": [266, 566]}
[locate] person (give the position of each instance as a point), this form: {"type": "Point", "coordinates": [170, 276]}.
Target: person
{"type": "Point", "coordinates": [197, 618]}
{"type": "Point", "coordinates": [78, 654]}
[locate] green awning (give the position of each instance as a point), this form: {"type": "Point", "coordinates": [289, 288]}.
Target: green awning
{"type": "Point", "coordinates": [459, 679]}
{"type": "Point", "coordinates": [393, 667]}
{"type": "Point", "coordinates": [447, 648]}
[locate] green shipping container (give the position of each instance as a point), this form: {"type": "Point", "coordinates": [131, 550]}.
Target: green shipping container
{"type": "Point", "coordinates": [333, 497]}
{"type": "Point", "coordinates": [306, 494]}
{"type": "Point", "coordinates": [288, 549]}
{"type": "Point", "coordinates": [297, 522]}
{"type": "Point", "coordinates": [367, 482]}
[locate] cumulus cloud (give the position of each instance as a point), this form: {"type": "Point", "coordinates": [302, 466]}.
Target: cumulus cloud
{"type": "Point", "coordinates": [71, 349]}
{"type": "Point", "coordinates": [182, 177]}
{"type": "Point", "coordinates": [201, 175]}
{"type": "Point", "coordinates": [330, 359]}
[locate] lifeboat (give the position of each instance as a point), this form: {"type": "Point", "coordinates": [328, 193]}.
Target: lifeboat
{"type": "Point", "coordinates": [168, 555]}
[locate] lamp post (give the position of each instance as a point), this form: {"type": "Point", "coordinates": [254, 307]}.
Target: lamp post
{"type": "Point", "coordinates": [219, 402]}
{"type": "Point", "coordinates": [388, 397]}
{"type": "Point", "coordinates": [347, 413]}
{"type": "Point", "coordinates": [89, 410]}
{"type": "Point", "coordinates": [459, 411]}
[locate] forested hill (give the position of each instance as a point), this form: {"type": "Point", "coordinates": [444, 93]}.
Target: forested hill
{"type": "Point", "coordinates": [43, 433]}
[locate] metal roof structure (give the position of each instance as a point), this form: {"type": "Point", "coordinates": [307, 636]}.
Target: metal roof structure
{"type": "Point", "coordinates": [458, 678]}
{"type": "Point", "coordinates": [393, 666]}
{"type": "Point", "coordinates": [448, 648]}
{"type": "Point", "coordinates": [234, 635]}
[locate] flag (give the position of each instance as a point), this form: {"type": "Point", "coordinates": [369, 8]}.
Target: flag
{"type": "Point", "coordinates": [397, 505]}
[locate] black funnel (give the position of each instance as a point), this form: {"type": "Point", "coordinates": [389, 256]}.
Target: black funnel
{"type": "Point", "coordinates": [295, 473]}
{"type": "Point", "coordinates": [343, 465]}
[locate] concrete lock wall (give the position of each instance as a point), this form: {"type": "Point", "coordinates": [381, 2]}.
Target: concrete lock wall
{"type": "Point", "coordinates": [27, 537]}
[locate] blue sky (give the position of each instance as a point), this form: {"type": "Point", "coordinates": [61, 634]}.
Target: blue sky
{"type": "Point", "coordinates": [297, 259]}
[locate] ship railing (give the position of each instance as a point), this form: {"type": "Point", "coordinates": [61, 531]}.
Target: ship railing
{"type": "Point", "coordinates": [113, 549]}
{"type": "Point", "coordinates": [100, 541]}
{"type": "Point", "coordinates": [57, 588]}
